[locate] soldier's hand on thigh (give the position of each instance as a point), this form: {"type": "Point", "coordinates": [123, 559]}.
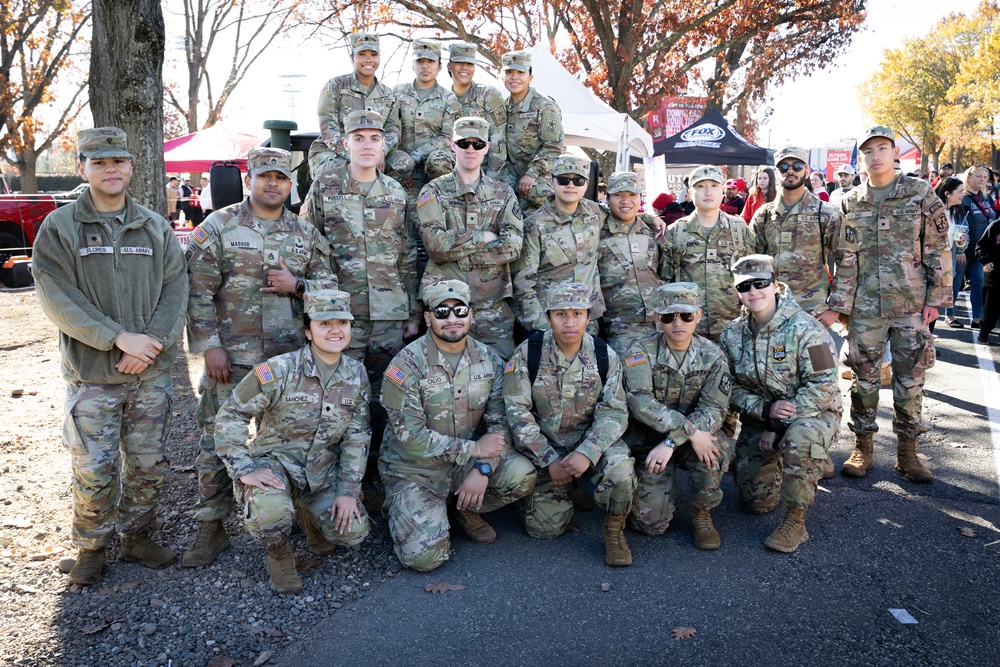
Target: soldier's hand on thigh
{"type": "Point", "coordinates": [657, 459]}
{"type": "Point", "coordinates": [558, 473]}
{"type": "Point", "coordinates": [489, 446]}
{"type": "Point", "coordinates": [471, 492]}
{"type": "Point", "coordinates": [217, 365]}
{"type": "Point", "coordinates": [703, 444]}
{"type": "Point", "coordinates": [343, 511]}
{"type": "Point", "coordinates": [262, 478]}
{"type": "Point", "coordinates": [768, 440]}
{"type": "Point", "coordinates": [575, 464]}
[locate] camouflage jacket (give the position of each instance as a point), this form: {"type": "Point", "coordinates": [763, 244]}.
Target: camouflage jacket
{"type": "Point", "coordinates": [701, 256]}
{"type": "Point", "coordinates": [228, 260]}
{"type": "Point", "coordinates": [802, 241]}
{"type": "Point", "coordinates": [487, 102]}
{"type": "Point", "coordinates": [437, 414]}
{"type": "Point", "coordinates": [904, 258]}
{"type": "Point", "coordinates": [425, 125]}
{"type": "Point", "coordinates": [534, 135]}
{"type": "Point", "coordinates": [319, 435]}
{"type": "Point", "coordinates": [573, 410]}
{"type": "Point", "coordinates": [677, 398]}
{"type": "Point", "coordinates": [558, 248]}
{"type": "Point", "coordinates": [343, 94]}
{"type": "Point", "coordinates": [373, 251]}
{"type": "Point", "coordinates": [453, 219]}
{"type": "Point", "coordinates": [629, 260]}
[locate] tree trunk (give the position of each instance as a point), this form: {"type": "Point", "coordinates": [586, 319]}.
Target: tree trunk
{"type": "Point", "coordinates": [126, 88]}
{"type": "Point", "coordinates": [27, 164]}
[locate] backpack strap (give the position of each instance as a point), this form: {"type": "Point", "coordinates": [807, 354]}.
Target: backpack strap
{"type": "Point", "coordinates": [534, 354]}
{"type": "Point", "coordinates": [601, 352]}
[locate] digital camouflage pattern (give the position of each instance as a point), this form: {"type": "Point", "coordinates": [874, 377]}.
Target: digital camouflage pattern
{"type": "Point", "coordinates": [533, 138]}
{"type": "Point", "coordinates": [487, 102]}
{"type": "Point", "coordinates": [426, 121]}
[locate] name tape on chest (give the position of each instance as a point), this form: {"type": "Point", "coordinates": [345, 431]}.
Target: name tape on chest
{"type": "Point", "coordinates": [135, 250]}
{"type": "Point", "coordinates": [97, 250]}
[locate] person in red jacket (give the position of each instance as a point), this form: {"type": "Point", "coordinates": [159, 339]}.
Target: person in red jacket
{"type": "Point", "coordinates": [733, 203]}
{"type": "Point", "coordinates": [667, 208]}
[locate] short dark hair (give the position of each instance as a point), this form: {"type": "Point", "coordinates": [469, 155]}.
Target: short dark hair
{"type": "Point", "coordinates": [948, 165]}
{"type": "Point", "coordinates": [306, 320]}
{"type": "Point", "coordinates": [172, 178]}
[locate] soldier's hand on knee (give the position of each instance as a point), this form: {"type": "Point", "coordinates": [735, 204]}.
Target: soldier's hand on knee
{"type": "Point", "coordinates": [782, 410]}
{"type": "Point", "coordinates": [657, 460]}
{"type": "Point", "coordinates": [558, 473]}
{"type": "Point", "coordinates": [768, 440]}
{"type": "Point", "coordinates": [489, 446]}
{"type": "Point", "coordinates": [139, 345]}
{"type": "Point", "coordinates": [343, 511]}
{"type": "Point", "coordinates": [217, 365]}
{"type": "Point", "coordinates": [263, 478]}
{"type": "Point", "coordinates": [575, 464]}
{"type": "Point", "coordinates": [130, 365]}
{"type": "Point", "coordinates": [703, 444]}
{"type": "Point", "coordinates": [472, 491]}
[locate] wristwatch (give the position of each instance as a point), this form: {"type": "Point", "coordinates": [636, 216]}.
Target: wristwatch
{"type": "Point", "coordinates": [668, 443]}
{"type": "Point", "coordinates": [300, 286]}
{"type": "Point", "coordinates": [485, 468]}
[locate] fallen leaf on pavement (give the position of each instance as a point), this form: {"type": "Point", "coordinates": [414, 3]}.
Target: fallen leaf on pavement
{"type": "Point", "coordinates": [680, 633]}
{"type": "Point", "coordinates": [94, 629]}
{"type": "Point", "coordinates": [966, 532]}
{"type": "Point", "coordinates": [443, 587]}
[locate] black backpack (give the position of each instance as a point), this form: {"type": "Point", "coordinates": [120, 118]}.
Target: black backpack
{"type": "Point", "coordinates": [535, 356]}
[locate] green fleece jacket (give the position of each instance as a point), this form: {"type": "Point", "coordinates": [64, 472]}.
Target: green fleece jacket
{"type": "Point", "coordinates": [94, 287]}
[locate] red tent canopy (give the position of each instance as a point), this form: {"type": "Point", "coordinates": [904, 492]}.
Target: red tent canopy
{"type": "Point", "coordinates": [198, 151]}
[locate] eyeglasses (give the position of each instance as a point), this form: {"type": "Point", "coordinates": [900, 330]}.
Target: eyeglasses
{"type": "Point", "coordinates": [477, 144]}
{"type": "Point", "coordinates": [667, 318]}
{"type": "Point", "coordinates": [578, 181]}
{"type": "Point", "coordinates": [757, 284]}
{"type": "Point", "coordinates": [798, 165]}
{"type": "Point", "coordinates": [442, 312]}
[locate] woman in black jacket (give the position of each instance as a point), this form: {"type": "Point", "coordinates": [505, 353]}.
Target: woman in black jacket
{"type": "Point", "coordinates": [988, 252]}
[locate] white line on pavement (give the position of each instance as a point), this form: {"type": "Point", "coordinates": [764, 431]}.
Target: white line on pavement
{"type": "Point", "coordinates": [991, 392]}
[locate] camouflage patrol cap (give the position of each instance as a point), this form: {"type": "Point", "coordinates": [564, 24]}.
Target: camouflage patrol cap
{"type": "Point", "coordinates": [425, 48]}
{"type": "Point", "coordinates": [363, 120]}
{"type": "Point", "coordinates": [327, 304]}
{"type": "Point", "coordinates": [791, 152]}
{"type": "Point", "coordinates": [435, 294]}
{"type": "Point", "coordinates": [706, 173]}
{"type": "Point", "coordinates": [519, 60]}
{"type": "Point", "coordinates": [263, 159]}
{"type": "Point", "coordinates": [575, 296]}
{"type": "Point", "coordinates": [462, 52]}
{"type": "Point", "coordinates": [874, 132]}
{"type": "Point", "coordinates": [625, 181]}
{"type": "Point", "coordinates": [677, 298]}
{"type": "Point", "coordinates": [103, 142]}
{"type": "Point", "coordinates": [752, 267]}
{"type": "Point", "coordinates": [364, 41]}
{"type": "Point", "coordinates": [570, 164]}
{"type": "Point", "coordinates": [471, 127]}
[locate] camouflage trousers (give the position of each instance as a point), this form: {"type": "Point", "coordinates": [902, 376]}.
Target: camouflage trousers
{"type": "Point", "coordinates": [655, 494]}
{"type": "Point", "coordinates": [791, 472]}
{"type": "Point", "coordinates": [547, 512]}
{"type": "Point", "coordinates": [375, 343]}
{"type": "Point", "coordinates": [215, 489]}
{"type": "Point", "coordinates": [418, 518]}
{"type": "Point", "coordinates": [269, 513]}
{"type": "Point", "coordinates": [495, 327]}
{"type": "Point", "coordinates": [116, 435]}
{"type": "Point", "coordinates": [912, 354]}
{"type": "Point", "coordinates": [622, 334]}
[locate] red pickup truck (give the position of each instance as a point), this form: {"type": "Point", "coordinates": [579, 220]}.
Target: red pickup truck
{"type": "Point", "coordinates": [20, 217]}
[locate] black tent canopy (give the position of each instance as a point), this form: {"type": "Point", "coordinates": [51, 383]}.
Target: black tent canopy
{"type": "Point", "coordinates": [710, 140]}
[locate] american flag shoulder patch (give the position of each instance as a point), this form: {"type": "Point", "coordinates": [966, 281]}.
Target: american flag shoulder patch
{"type": "Point", "coordinates": [636, 359]}
{"type": "Point", "coordinates": [199, 234]}
{"type": "Point", "coordinates": [425, 197]}
{"type": "Point", "coordinates": [264, 373]}
{"type": "Point", "coordinates": [396, 374]}
{"type": "Point", "coordinates": [509, 368]}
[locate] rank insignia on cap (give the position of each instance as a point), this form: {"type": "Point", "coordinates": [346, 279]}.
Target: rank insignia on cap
{"type": "Point", "coordinates": [636, 359]}
{"type": "Point", "coordinates": [264, 373]}
{"type": "Point", "coordinates": [778, 352]}
{"type": "Point", "coordinates": [509, 367]}
{"type": "Point", "coordinates": [395, 374]}
{"type": "Point", "coordinates": [199, 234]}
{"type": "Point", "coordinates": [426, 197]}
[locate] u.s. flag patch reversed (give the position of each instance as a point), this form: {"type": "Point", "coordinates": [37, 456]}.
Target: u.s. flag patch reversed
{"type": "Point", "coordinates": [264, 373]}
{"type": "Point", "coordinates": [396, 374]}
{"type": "Point", "coordinates": [199, 234]}
{"type": "Point", "coordinates": [509, 368]}
{"type": "Point", "coordinates": [425, 197]}
{"type": "Point", "coordinates": [636, 359]}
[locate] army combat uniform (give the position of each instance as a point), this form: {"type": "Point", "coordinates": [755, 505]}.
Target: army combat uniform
{"type": "Point", "coordinates": [485, 102]}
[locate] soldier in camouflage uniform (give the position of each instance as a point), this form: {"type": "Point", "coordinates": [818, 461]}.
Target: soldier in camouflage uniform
{"type": "Point", "coordinates": [785, 387]}
{"type": "Point", "coordinates": [904, 277]}
{"type": "Point", "coordinates": [110, 274]}
{"type": "Point", "coordinates": [358, 91]}
{"type": "Point", "coordinates": [479, 100]}
{"type": "Point", "coordinates": [560, 245]}
{"type": "Point", "coordinates": [568, 422]}
{"type": "Point", "coordinates": [249, 265]}
{"type": "Point", "coordinates": [472, 229]}
{"type": "Point", "coordinates": [312, 445]}
{"type": "Point", "coordinates": [447, 445]}
{"type": "Point", "coordinates": [678, 387]}
{"type": "Point", "coordinates": [628, 261]}
{"type": "Point", "coordinates": [534, 135]}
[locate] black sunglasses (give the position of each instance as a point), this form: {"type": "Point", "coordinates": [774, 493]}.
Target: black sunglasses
{"type": "Point", "coordinates": [757, 284]}
{"type": "Point", "coordinates": [667, 318]}
{"type": "Point", "coordinates": [798, 165]}
{"type": "Point", "coordinates": [477, 144]}
{"type": "Point", "coordinates": [442, 312]}
{"type": "Point", "coordinates": [578, 181]}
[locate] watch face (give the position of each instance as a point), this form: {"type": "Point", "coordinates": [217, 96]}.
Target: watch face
{"type": "Point", "coordinates": [484, 468]}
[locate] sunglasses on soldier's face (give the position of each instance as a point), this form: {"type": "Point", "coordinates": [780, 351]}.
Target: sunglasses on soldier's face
{"type": "Point", "coordinates": [668, 318]}
{"type": "Point", "coordinates": [578, 181]}
{"type": "Point", "coordinates": [798, 165]}
{"type": "Point", "coordinates": [476, 144]}
{"type": "Point", "coordinates": [758, 284]}
{"type": "Point", "coordinates": [442, 312]}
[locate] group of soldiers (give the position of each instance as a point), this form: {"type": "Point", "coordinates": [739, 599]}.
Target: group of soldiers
{"type": "Point", "coordinates": [562, 338]}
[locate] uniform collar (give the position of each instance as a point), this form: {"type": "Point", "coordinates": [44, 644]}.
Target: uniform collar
{"type": "Point", "coordinates": [436, 358]}
{"type": "Point", "coordinates": [286, 223]}
{"type": "Point", "coordinates": [85, 211]}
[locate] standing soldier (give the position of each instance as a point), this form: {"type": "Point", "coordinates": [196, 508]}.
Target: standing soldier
{"type": "Point", "coordinates": [440, 392]}
{"type": "Point", "coordinates": [311, 448]}
{"type": "Point", "coordinates": [785, 387]}
{"type": "Point", "coordinates": [534, 134]}
{"type": "Point", "coordinates": [678, 387]}
{"type": "Point", "coordinates": [249, 265]}
{"type": "Point", "coordinates": [904, 276]}
{"type": "Point", "coordinates": [110, 274]}
{"type": "Point", "coordinates": [479, 100]}
{"type": "Point", "coordinates": [567, 412]}
{"type": "Point", "coordinates": [472, 229]}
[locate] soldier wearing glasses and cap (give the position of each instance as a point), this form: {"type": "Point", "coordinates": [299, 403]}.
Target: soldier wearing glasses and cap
{"type": "Point", "coordinates": [785, 387]}
{"type": "Point", "coordinates": [479, 100]}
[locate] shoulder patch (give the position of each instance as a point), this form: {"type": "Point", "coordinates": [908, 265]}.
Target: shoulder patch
{"type": "Point", "coordinates": [850, 234]}
{"type": "Point", "coordinates": [396, 374]}
{"type": "Point", "coordinates": [509, 366]}
{"type": "Point", "coordinates": [778, 352]}
{"type": "Point", "coordinates": [636, 359]}
{"type": "Point", "coordinates": [264, 373]}
{"type": "Point", "coordinates": [821, 358]}
{"type": "Point", "coordinates": [199, 234]}
{"type": "Point", "coordinates": [726, 383]}
{"type": "Point", "coordinates": [425, 198]}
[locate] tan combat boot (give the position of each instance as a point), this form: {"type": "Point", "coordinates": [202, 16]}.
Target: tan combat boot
{"type": "Point", "coordinates": [705, 534]}
{"type": "Point", "coordinates": [210, 541]}
{"type": "Point", "coordinates": [860, 460]}
{"type": "Point", "coordinates": [318, 545]}
{"type": "Point", "coordinates": [907, 462]}
{"type": "Point", "coordinates": [88, 567]}
{"type": "Point", "coordinates": [281, 567]}
{"type": "Point", "coordinates": [790, 533]}
{"type": "Point", "coordinates": [827, 468]}
{"type": "Point", "coordinates": [473, 525]}
{"type": "Point", "coordinates": [616, 551]}
{"type": "Point", "coordinates": [139, 547]}
{"type": "Point", "coordinates": [582, 502]}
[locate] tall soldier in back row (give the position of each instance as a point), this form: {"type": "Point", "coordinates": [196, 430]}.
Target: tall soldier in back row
{"type": "Point", "coordinates": [479, 100]}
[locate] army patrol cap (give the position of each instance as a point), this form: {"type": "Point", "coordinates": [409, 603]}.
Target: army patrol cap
{"type": "Point", "coordinates": [435, 294]}
{"type": "Point", "coordinates": [363, 120]}
{"type": "Point", "coordinates": [625, 181]}
{"type": "Point", "coordinates": [874, 132]}
{"type": "Point", "coordinates": [846, 169]}
{"type": "Point", "coordinates": [677, 298]}
{"type": "Point", "coordinates": [364, 41]}
{"type": "Point", "coordinates": [519, 60]}
{"type": "Point", "coordinates": [471, 127]}
{"type": "Point", "coordinates": [103, 142]}
{"type": "Point", "coordinates": [705, 173]}
{"type": "Point", "coordinates": [462, 52]}
{"type": "Point", "coordinates": [568, 296]}
{"type": "Point", "coordinates": [791, 152]}
{"type": "Point", "coordinates": [262, 159]}
{"type": "Point", "coordinates": [425, 48]}
{"type": "Point", "coordinates": [327, 304]}
{"type": "Point", "coordinates": [752, 267]}
{"type": "Point", "coordinates": [570, 164]}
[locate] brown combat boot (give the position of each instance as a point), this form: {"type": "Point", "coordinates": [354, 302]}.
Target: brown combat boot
{"type": "Point", "coordinates": [790, 533]}
{"type": "Point", "coordinates": [827, 468]}
{"type": "Point", "coordinates": [473, 525]}
{"type": "Point", "coordinates": [210, 541]}
{"type": "Point", "coordinates": [281, 567]}
{"type": "Point", "coordinates": [616, 551]}
{"type": "Point", "coordinates": [139, 547]}
{"type": "Point", "coordinates": [907, 462]}
{"type": "Point", "coordinates": [582, 502]}
{"type": "Point", "coordinates": [318, 545]}
{"type": "Point", "coordinates": [88, 567]}
{"type": "Point", "coordinates": [705, 534]}
{"type": "Point", "coordinates": [860, 460]}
